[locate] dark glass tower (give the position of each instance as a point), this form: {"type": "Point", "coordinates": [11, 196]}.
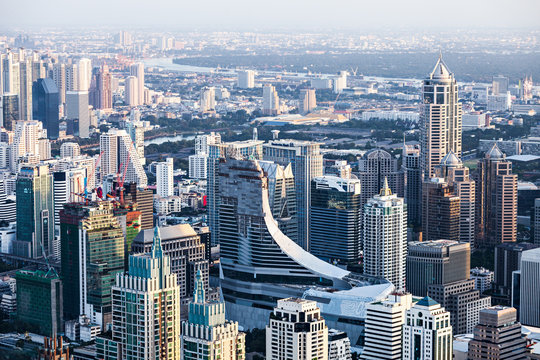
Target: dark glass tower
{"type": "Point", "coordinates": [45, 102]}
{"type": "Point", "coordinates": [10, 110]}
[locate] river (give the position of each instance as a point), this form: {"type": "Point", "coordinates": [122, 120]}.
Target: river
{"type": "Point", "coordinates": [162, 139]}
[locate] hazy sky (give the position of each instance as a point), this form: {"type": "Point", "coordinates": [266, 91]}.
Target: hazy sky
{"type": "Point", "coordinates": [321, 15]}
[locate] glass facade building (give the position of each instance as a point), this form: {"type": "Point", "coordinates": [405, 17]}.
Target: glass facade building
{"type": "Point", "coordinates": [45, 105]}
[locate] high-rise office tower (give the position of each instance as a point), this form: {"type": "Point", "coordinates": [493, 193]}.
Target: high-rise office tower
{"type": "Point", "coordinates": [306, 162]}
{"type": "Point", "coordinates": [25, 141]}
{"type": "Point", "coordinates": [136, 129]}
{"type": "Point", "coordinates": [206, 333]}
{"type": "Point", "coordinates": [334, 229]}
{"type": "Point", "coordinates": [427, 333]}
{"type": "Point", "coordinates": [202, 142]}
{"type": "Point", "coordinates": [45, 105]}
{"type": "Point", "coordinates": [92, 253]}
{"type": "Point", "coordinates": [282, 195]}
{"type": "Point", "coordinates": [440, 210]}
{"type": "Point", "coordinates": [497, 336]}
{"type": "Point", "coordinates": [440, 118]}
{"type": "Point", "coordinates": [119, 152]}
{"type": "Point", "coordinates": [58, 75]}
{"type": "Point", "coordinates": [270, 104]}
{"type": "Point", "coordinates": [67, 185]}
{"type": "Point", "coordinates": [536, 222]}
{"type": "Point", "coordinates": [307, 101]}
{"type": "Point", "coordinates": [500, 85]}
{"type": "Point", "coordinates": [137, 70]}
{"type": "Point", "coordinates": [529, 309]}
{"type": "Point", "coordinates": [77, 110]}
{"type": "Point", "coordinates": [457, 176]}
{"type": "Point", "coordinates": [165, 178]}
{"type": "Point", "coordinates": [198, 166]}
{"type": "Point", "coordinates": [496, 199]}
{"type": "Point", "coordinates": [436, 262]}
{"type": "Point", "coordinates": [296, 331]}
{"type": "Point", "coordinates": [373, 168]}
{"type": "Point", "coordinates": [25, 90]}
{"type": "Point", "coordinates": [208, 99]}
{"type": "Point", "coordinates": [39, 300]}
{"type": "Point", "coordinates": [339, 345]}
{"type": "Point", "coordinates": [246, 79]}
{"type": "Point", "coordinates": [216, 152]}
{"type": "Point", "coordinates": [10, 110]}
{"type": "Point", "coordinates": [412, 182]}
{"type": "Point", "coordinates": [38, 69]}
{"type": "Point", "coordinates": [186, 251]}
{"type": "Point", "coordinates": [100, 92]}
{"type": "Point", "coordinates": [146, 308]}
{"type": "Point", "coordinates": [385, 237]}
{"type": "Point", "coordinates": [35, 213]}
{"type": "Point", "coordinates": [384, 328]}
{"type": "Point", "coordinates": [131, 92]}
{"type": "Point", "coordinates": [85, 74]}
{"type": "Point", "coordinates": [72, 77]}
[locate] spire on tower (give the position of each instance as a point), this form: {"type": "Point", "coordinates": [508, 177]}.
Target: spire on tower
{"type": "Point", "coordinates": [157, 251]}
{"type": "Point", "coordinates": [385, 191]}
{"type": "Point", "coordinates": [198, 292]}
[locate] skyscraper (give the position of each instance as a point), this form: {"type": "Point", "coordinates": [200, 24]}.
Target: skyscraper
{"type": "Point", "coordinates": [206, 333]}
{"type": "Point", "coordinates": [92, 253]}
{"type": "Point", "coordinates": [334, 230]}
{"type": "Point", "coordinates": [536, 223]}
{"type": "Point", "coordinates": [412, 182]}
{"type": "Point", "coordinates": [45, 105]}
{"type": "Point", "coordinates": [77, 110]}
{"type": "Point", "coordinates": [440, 210]}
{"type": "Point", "coordinates": [457, 176]}
{"type": "Point", "coordinates": [296, 331]}
{"type": "Point", "coordinates": [35, 213]}
{"type": "Point", "coordinates": [137, 70]}
{"type": "Point", "coordinates": [440, 118]}
{"type": "Point", "coordinates": [131, 92]}
{"type": "Point", "coordinates": [119, 152]}
{"type": "Point", "coordinates": [165, 178]}
{"type": "Point", "coordinates": [385, 237]}
{"type": "Point", "coordinates": [373, 168]}
{"type": "Point", "coordinates": [10, 110]}
{"type": "Point", "coordinates": [85, 74]}
{"type": "Point", "coordinates": [436, 262]}
{"type": "Point", "coordinates": [58, 75]}
{"type": "Point", "coordinates": [25, 89]}
{"type": "Point", "coordinates": [246, 79]}
{"type": "Point", "coordinates": [496, 199]}
{"type": "Point", "coordinates": [146, 308]}
{"type": "Point", "coordinates": [497, 336]}
{"type": "Point", "coordinates": [100, 93]}
{"type": "Point", "coordinates": [384, 328]}
{"type": "Point", "coordinates": [500, 85]}
{"type": "Point", "coordinates": [529, 309]}
{"type": "Point", "coordinates": [217, 151]}
{"type": "Point", "coordinates": [427, 333]}
{"type": "Point", "coordinates": [271, 104]}
{"type": "Point", "coordinates": [306, 162]}
{"type": "Point", "coordinates": [307, 101]}
{"type": "Point", "coordinates": [208, 99]}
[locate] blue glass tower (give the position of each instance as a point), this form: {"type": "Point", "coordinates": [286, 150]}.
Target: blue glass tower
{"type": "Point", "coordinates": [45, 103]}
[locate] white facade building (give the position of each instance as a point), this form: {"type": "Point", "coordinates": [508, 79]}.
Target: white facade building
{"type": "Point", "coordinates": [202, 142]}
{"type": "Point", "coordinates": [77, 109]}
{"type": "Point", "coordinates": [198, 166]}
{"type": "Point", "coordinates": [502, 102]}
{"type": "Point", "coordinates": [270, 101]}
{"type": "Point", "coordinates": [427, 333]}
{"type": "Point", "coordinates": [137, 70]}
{"type": "Point", "coordinates": [296, 331]}
{"type": "Point", "coordinates": [208, 99]}
{"type": "Point", "coordinates": [69, 150]}
{"type": "Point", "coordinates": [246, 79]}
{"type": "Point", "coordinates": [385, 237]}
{"type": "Point", "coordinates": [165, 178]}
{"type": "Point", "coordinates": [383, 330]}
{"type": "Point", "coordinates": [131, 91]}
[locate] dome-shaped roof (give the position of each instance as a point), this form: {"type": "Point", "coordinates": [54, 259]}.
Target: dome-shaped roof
{"type": "Point", "coordinates": [495, 153]}
{"type": "Point", "coordinates": [451, 160]}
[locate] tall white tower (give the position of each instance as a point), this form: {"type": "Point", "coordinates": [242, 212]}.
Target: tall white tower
{"type": "Point", "coordinates": [385, 237]}
{"type": "Point", "coordinates": [164, 178]}
{"type": "Point", "coordinates": [440, 118]}
{"type": "Point", "coordinates": [137, 70]}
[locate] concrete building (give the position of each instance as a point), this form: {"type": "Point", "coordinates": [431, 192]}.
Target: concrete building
{"type": "Point", "coordinates": [307, 101]}
{"type": "Point", "coordinates": [69, 150]}
{"type": "Point", "coordinates": [137, 70]}
{"type": "Point", "coordinates": [427, 333]}
{"type": "Point", "coordinates": [306, 162]}
{"type": "Point", "coordinates": [77, 110]}
{"type": "Point", "coordinates": [146, 307]}
{"type": "Point", "coordinates": [496, 200]}
{"type": "Point", "coordinates": [131, 91]}
{"type": "Point", "coordinates": [207, 334]}
{"type": "Point", "coordinates": [271, 105]}
{"type": "Point", "coordinates": [296, 322]}
{"type": "Point", "coordinates": [198, 166]}
{"type": "Point", "coordinates": [529, 309]}
{"type": "Point", "coordinates": [536, 223]}
{"type": "Point", "coordinates": [207, 99]}
{"type": "Point", "coordinates": [384, 328]}
{"type": "Point", "coordinates": [500, 85]}
{"type": "Point", "coordinates": [440, 118]}
{"type": "Point", "coordinates": [412, 182]}
{"type": "Point", "coordinates": [497, 336]}
{"type": "Point", "coordinates": [440, 211]}
{"type": "Point", "coordinates": [385, 237]}
{"type": "Point", "coordinates": [186, 251]}
{"type": "Point", "coordinates": [339, 345]}
{"type": "Point", "coordinates": [483, 279]}
{"type": "Point", "coordinates": [436, 262]}
{"type": "Point", "coordinates": [165, 178]}
{"type": "Point", "coordinates": [100, 93]}
{"type": "Point", "coordinates": [202, 142]}
{"type": "Point", "coordinates": [246, 79]}
{"type": "Point", "coordinates": [335, 219]}
{"type": "Point", "coordinates": [45, 105]}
